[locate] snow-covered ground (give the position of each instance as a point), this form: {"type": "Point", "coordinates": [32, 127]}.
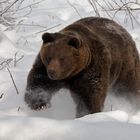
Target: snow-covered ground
{"type": "Point", "coordinates": [19, 45]}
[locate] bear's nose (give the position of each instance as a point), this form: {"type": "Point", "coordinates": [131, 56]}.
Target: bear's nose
{"type": "Point", "coordinates": [51, 73]}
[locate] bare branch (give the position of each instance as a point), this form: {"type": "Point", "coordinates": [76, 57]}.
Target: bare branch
{"type": "Point", "coordinates": [6, 15]}
{"type": "Point", "coordinates": [3, 2]}
{"type": "Point", "coordinates": [104, 9]}
{"type": "Point", "coordinates": [28, 6]}
{"type": "Point", "coordinates": [48, 28]}
{"type": "Point", "coordinates": [9, 7]}
{"type": "Point", "coordinates": [17, 60]}
{"type": "Point", "coordinates": [113, 8]}
{"type": "Point", "coordinates": [93, 4]}
{"type": "Point", "coordinates": [13, 80]}
{"type": "Point", "coordinates": [5, 63]}
{"type": "Point", "coordinates": [74, 8]}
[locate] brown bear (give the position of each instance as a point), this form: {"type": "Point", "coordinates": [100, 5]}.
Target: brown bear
{"type": "Point", "coordinates": [88, 57]}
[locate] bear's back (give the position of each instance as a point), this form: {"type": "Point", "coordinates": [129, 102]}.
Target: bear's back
{"type": "Point", "coordinates": [104, 29]}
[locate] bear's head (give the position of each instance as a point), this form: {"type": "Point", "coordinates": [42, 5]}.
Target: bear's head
{"type": "Point", "coordinates": [63, 55]}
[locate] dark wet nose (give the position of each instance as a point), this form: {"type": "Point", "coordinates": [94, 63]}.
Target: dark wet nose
{"type": "Point", "coordinates": [51, 73]}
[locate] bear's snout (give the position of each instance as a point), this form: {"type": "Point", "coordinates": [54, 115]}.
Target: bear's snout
{"type": "Point", "coordinates": [54, 69]}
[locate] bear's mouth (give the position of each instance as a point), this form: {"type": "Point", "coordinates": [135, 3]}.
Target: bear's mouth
{"type": "Point", "coordinates": [58, 76]}
{"type": "Point", "coordinates": [51, 75]}
{"type": "Point", "coordinates": [54, 75]}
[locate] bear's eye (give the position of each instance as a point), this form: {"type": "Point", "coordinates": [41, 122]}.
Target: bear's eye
{"type": "Point", "coordinates": [74, 42]}
{"type": "Point", "coordinates": [62, 59]}
{"type": "Point", "coordinates": [48, 59]}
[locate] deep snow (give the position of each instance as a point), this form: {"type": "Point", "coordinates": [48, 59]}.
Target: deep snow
{"type": "Point", "coordinates": [17, 121]}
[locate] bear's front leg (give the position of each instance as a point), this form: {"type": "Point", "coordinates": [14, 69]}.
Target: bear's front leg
{"type": "Point", "coordinates": [39, 88]}
{"type": "Point", "coordinates": [95, 90]}
{"type": "Point", "coordinates": [98, 80]}
{"type": "Point", "coordinates": [98, 86]}
{"type": "Point", "coordinates": [98, 93]}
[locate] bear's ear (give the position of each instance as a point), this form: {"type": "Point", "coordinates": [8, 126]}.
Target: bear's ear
{"type": "Point", "coordinates": [48, 37]}
{"type": "Point", "coordinates": [74, 42]}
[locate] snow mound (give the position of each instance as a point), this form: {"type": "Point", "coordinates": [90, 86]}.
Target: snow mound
{"type": "Point", "coordinates": [17, 121]}
{"type": "Point", "coordinates": [21, 128]}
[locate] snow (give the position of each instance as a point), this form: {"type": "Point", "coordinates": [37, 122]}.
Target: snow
{"type": "Point", "coordinates": [102, 126]}
{"type": "Point", "coordinates": [119, 121]}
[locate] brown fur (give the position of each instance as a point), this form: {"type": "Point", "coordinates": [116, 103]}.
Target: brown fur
{"type": "Point", "coordinates": [88, 57]}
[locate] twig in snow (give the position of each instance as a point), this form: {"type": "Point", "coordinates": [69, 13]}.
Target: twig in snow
{"type": "Point", "coordinates": [17, 60]}
{"type": "Point", "coordinates": [111, 107]}
{"type": "Point", "coordinates": [5, 63]}
{"type": "Point", "coordinates": [74, 8]}
{"type": "Point", "coordinates": [29, 12]}
{"type": "Point", "coordinates": [1, 95]}
{"type": "Point", "coordinates": [20, 3]}
{"type": "Point", "coordinates": [13, 81]}
{"type": "Point", "coordinates": [13, 7]}
{"type": "Point", "coordinates": [18, 108]}
{"type": "Point", "coordinates": [30, 5]}
{"type": "Point", "coordinates": [3, 2]}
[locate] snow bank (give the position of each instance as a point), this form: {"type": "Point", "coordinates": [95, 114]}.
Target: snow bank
{"type": "Point", "coordinates": [29, 128]}
{"type": "Point", "coordinates": [17, 121]}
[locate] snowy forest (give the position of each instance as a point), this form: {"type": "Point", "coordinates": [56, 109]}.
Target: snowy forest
{"type": "Point", "coordinates": [22, 23]}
